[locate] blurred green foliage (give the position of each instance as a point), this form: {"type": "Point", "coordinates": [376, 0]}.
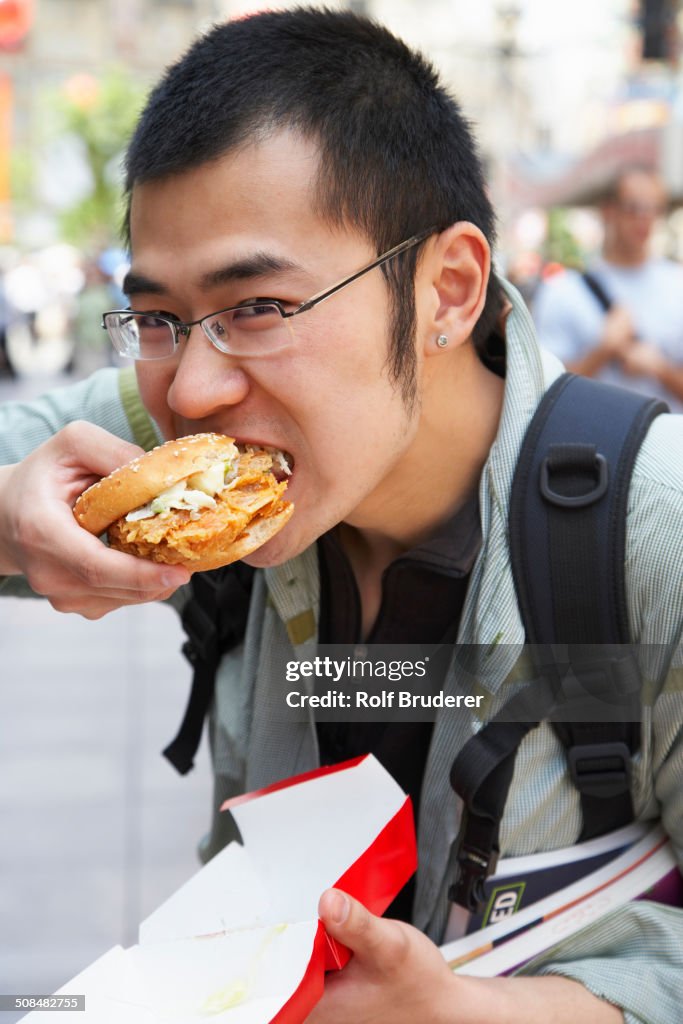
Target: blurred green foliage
{"type": "Point", "coordinates": [560, 244]}
{"type": "Point", "coordinates": [22, 176]}
{"type": "Point", "coordinates": [99, 114]}
{"type": "Point", "coordinates": [102, 114]}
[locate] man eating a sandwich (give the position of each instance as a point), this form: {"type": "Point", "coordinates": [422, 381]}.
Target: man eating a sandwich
{"type": "Point", "coordinates": [311, 243]}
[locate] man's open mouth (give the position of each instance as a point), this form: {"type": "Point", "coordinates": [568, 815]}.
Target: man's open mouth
{"type": "Point", "coordinates": [283, 461]}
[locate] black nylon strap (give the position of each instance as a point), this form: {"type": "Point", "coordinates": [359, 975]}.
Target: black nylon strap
{"type": "Point", "coordinates": [182, 749]}
{"type": "Point", "coordinates": [567, 542]}
{"type": "Point", "coordinates": [575, 411]}
{"type": "Point", "coordinates": [568, 526]}
{"type": "Point", "coordinates": [598, 290]}
{"type": "Point", "coordinates": [599, 757]}
{"type": "Point", "coordinates": [571, 473]}
{"type": "Point", "coordinates": [580, 548]}
{"type": "Point", "coordinates": [215, 620]}
{"type": "Point", "coordinates": [481, 775]}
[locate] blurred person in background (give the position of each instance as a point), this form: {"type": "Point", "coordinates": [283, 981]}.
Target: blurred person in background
{"type": "Point", "coordinates": [101, 290]}
{"type": "Point", "coordinates": [40, 289]}
{"type": "Point", "coordinates": [623, 320]}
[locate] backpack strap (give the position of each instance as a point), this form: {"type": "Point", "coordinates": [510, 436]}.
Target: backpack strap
{"type": "Point", "coordinates": [598, 290]}
{"type": "Point", "coordinates": [567, 521]}
{"type": "Point", "coordinates": [567, 515]}
{"type": "Point", "coordinates": [599, 760]}
{"type": "Point", "coordinates": [215, 620]}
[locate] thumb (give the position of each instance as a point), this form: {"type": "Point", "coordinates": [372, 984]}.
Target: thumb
{"type": "Point", "coordinates": [107, 450]}
{"type": "Point", "coordinates": [371, 938]}
{"type": "Point", "coordinates": [88, 446]}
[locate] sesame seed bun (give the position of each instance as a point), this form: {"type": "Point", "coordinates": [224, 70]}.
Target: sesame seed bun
{"type": "Point", "coordinates": [247, 513]}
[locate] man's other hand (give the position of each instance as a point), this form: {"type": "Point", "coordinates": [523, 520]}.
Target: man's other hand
{"type": "Point", "coordinates": [396, 973]}
{"type": "Point", "coordinates": [398, 976]}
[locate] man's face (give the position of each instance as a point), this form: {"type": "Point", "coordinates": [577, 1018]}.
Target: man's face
{"type": "Point", "coordinates": [328, 399]}
{"type": "Point", "coordinates": [631, 217]}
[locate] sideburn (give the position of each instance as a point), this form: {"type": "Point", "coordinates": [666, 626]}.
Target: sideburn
{"type": "Point", "coordinates": [402, 359]}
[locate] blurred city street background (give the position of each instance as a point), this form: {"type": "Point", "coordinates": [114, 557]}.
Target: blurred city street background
{"type": "Point", "coordinates": [96, 827]}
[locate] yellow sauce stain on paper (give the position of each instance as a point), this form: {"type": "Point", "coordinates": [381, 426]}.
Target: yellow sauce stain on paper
{"type": "Point", "coordinates": [238, 990]}
{"type": "Point", "coordinates": [226, 998]}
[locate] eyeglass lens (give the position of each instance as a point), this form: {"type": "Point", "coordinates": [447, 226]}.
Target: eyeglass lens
{"type": "Point", "coordinates": [248, 330]}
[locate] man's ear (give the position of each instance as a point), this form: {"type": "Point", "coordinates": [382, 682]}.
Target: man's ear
{"type": "Point", "coordinates": [460, 267]}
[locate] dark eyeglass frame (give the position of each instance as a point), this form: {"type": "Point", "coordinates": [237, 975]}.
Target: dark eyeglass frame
{"type": "Point", "coordinates": [183, 328]}
{"type": "Point", "coordinates": [633, 208]}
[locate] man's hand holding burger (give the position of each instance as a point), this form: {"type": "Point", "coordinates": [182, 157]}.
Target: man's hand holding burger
{"type": "Point", "coordinates": [40, 538]}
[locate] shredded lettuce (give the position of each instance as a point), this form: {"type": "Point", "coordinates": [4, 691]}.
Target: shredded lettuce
{"type": "Point", "coordinates": [194, 493]}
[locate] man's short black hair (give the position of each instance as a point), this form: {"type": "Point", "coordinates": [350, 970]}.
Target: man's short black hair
{"type": "Point", "coordinates": [397, 155]}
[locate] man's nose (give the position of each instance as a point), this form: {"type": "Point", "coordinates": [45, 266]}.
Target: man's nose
{"type": "Point", "coordinates": [205, 379]}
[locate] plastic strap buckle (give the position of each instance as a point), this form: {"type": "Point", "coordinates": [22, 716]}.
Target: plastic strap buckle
{"type": "Point", "coordinates": [572, 459]}
{"type": "Point", "coordinates": [600, 769]}
{"type": "Point", "coordinates": [474, 867]}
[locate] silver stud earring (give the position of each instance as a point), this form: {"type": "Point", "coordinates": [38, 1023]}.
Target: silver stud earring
{"type": "Point", "coordinates": [442, 341]}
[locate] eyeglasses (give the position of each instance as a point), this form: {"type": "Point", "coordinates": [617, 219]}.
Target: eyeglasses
{"type": "Point", "coordinates": [252, 329]}
{"type": "Point", "coordinates": [632, 208]}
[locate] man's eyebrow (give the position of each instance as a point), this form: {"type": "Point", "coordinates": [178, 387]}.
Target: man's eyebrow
{"type": "Point", "coordinates": [134, 283]}
{"type": "Point", "coordinates": [258, 265]}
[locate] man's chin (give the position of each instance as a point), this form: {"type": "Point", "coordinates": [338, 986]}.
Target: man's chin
{"type": "Point", "coordinates": [299, 534]}
{"type": "Point", "coordinates": [276, 551]}
{"type": "Point", "coordinates": [261, 560]}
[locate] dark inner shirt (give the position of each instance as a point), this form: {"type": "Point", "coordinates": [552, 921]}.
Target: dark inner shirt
{"type": "Point", "coordinates": [423, 592]}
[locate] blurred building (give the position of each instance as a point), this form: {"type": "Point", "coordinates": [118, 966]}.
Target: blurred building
{"type": "Point", "coordinates": [636, 119]}
{"type": "Point", "coordinates": [65, 37]}
{"type": "Point", "coordinates": [53, 46]}
{"type": "Point", "coordinates": [47, 43]}
{"type": "Point", "coordinates": [556, 103]}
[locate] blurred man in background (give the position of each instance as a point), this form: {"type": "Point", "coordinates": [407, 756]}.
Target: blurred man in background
{"type": "Point", "coordinates": [622, 321]}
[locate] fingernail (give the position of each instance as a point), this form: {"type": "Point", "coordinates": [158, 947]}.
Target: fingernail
{"type": "Point", "coordinates": [339, 907]}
